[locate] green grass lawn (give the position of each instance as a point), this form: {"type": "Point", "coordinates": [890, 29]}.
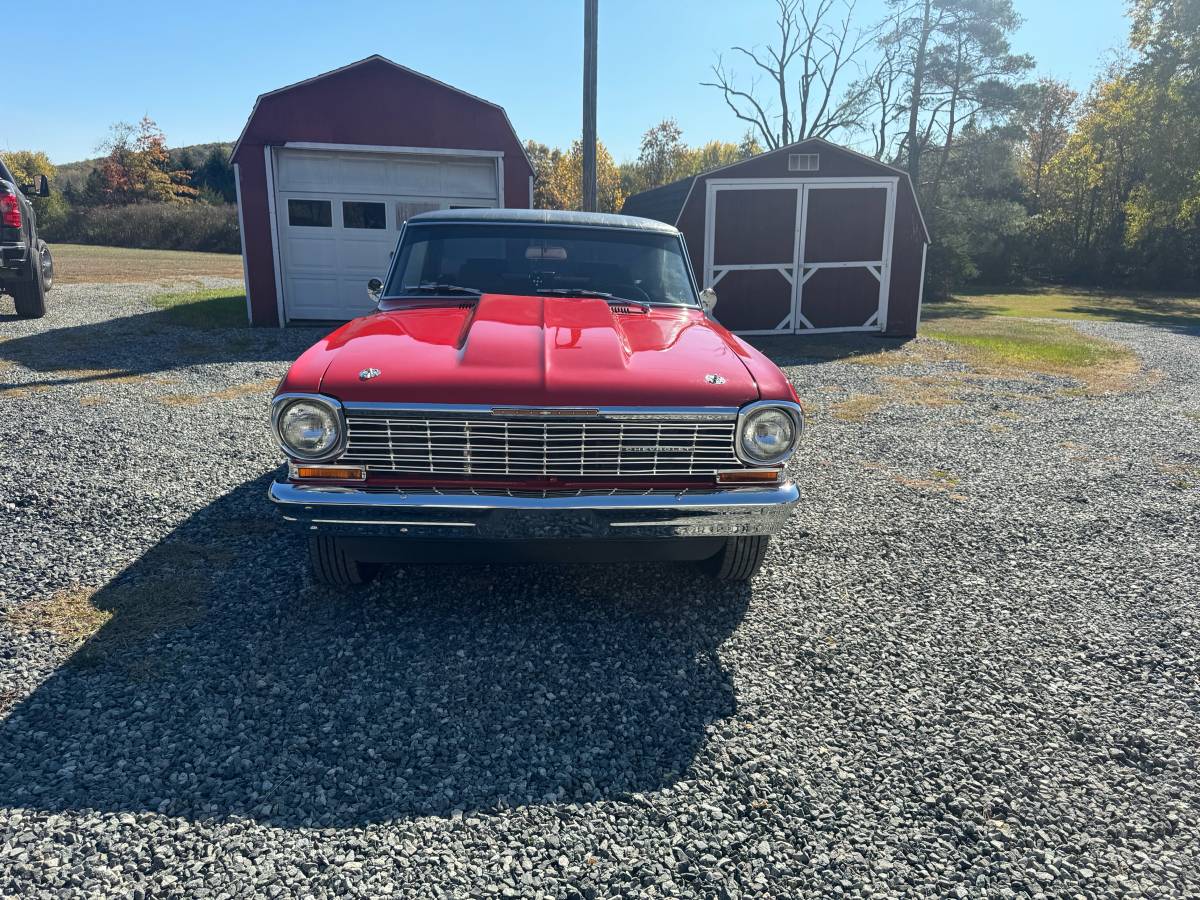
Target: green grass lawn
{"type": "Point", "coordinates": [1020, 345]}
{"type": "Point", "coordinates": [87, 264]}
{"type": "Point", "coordinates": [1166, 310]}
{"type": "Point", "coordinates": [208, 308]}
{"type": "Point", "coordinates": [997, 331]}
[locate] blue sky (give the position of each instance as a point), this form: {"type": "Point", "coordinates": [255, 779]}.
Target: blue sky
{"type": "Point", "coordinates": [196, 68]}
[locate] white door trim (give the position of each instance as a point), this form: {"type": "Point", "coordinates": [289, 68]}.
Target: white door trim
{"type": "Point", "coordinates": [849, 181]}
{"type": "Point", "coordinates": [382, 148]}
{"type": "Point", "coordinates": [237, 188]}
{"type": "Point", "coordinates": [885, 269]}
{"type": "Point", "coordinates": [801, 271]}
{"type": "Point", "coordinates": [921, 287]}
{"type": "Point", "coordinates": [713, 273]}
{"type": "Point", "coordinates": [269, 162]}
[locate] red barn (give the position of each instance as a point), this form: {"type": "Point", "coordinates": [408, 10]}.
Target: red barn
{"type": "Point", "coordinates": [810, 237]}
{"type": "Point", "coordinates": [328, 170]}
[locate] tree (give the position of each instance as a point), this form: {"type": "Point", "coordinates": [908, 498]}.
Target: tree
{"type": "Point", "coordinates": [1045, 114]}
{"type": "Point", "coordinates": [821, 44]}
{"type": "Point", "coordinates": [136, 167]}
{"type": "Point", "coordinates": [213, 178]}
{"type": "Point", "coordinates": [25, 165]}
{"type": "Point", "coordinates": [959, 69]}
{"type": "Point", "coordinates": [666, 158]}
{"type": "Point", "coordinates": [663, 152]}
{"type": "Point", "coordinates": [562, 187]}
{"type": "Point", "coordinates": [981, 220]}
{"type": "Point", "coordinates": [1164, 207]}
{"type": "Point", "coordinates": [663, 158]}
{"type": "Point", "coordinates": [1121, 199]}
{"type": "Point", "coordinates": [716, 154]}
{"type": "Point", "coordinates": [1166, 33]}
{"type": "Point", "coordinates": [545, 161]}
{"type": "Point", "coordinates": [919, 28]}
{"type": "Point", "coordinates": [970, 76]}
{"type": "Point", "coordinates": [879, 94]}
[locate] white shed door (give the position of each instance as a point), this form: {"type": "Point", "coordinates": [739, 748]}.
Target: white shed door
{"type": "Point", "coordinates": [339, 214]}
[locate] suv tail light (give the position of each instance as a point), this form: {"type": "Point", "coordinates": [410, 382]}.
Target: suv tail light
{"type": "Point", "coordinates": [10, 211]}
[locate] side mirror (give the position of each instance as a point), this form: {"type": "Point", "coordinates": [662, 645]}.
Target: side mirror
{"type": "Point", "coordinates": [375, 289]}
{"type": "Point", "coordinates": [39, 187]}
{"type": "Point", "coordinates": [708, 300]}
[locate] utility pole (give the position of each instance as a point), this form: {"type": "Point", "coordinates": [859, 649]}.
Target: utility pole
{"type": "Point", "coordinates": [589, 105]}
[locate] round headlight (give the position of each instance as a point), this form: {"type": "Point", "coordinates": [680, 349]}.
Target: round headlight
{"type": "Point", "coordinates": [308, 429]}
{"type": "Point", "coordinates": [768, 435]}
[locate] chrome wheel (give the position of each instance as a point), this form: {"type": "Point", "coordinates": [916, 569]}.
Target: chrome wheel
{"type": "Point", "coordinates": [47, 264]}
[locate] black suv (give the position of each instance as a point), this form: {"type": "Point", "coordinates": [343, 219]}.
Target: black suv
{"type": "Point", "coordinates": [26, 267]}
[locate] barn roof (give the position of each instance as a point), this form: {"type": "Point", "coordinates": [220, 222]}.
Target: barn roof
{"type": "Point", "coordinates": [667, 202]}
{"type": "Point", "coordinates": [373, 58]}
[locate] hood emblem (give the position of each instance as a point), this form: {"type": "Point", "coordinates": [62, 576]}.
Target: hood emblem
{"type": "Point", "coordinates": [714, 378]}
{"type": "Point", "coordinates": [368, 374]}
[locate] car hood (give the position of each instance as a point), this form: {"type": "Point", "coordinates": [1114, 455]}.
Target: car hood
{"type": "Point", "coordinates": [538, 351]}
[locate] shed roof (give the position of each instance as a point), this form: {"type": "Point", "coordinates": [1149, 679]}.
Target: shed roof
{"type": "Point", "coordinates": [665, 203]}
{"type": "Point", "coordinates": [662, 203]}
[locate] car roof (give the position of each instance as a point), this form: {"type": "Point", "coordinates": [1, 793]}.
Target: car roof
{"type": "Point", "coordinates": [542, 217]}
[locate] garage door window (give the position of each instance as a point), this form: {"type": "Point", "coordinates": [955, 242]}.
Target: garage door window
{"type": "Point", "coordinates": [310, 213]}
{"type": "Point", "coordinates": [361, 214]}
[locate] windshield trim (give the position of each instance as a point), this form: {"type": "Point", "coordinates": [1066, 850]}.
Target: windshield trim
{"type": "Point", "coordinates": [693, 303]}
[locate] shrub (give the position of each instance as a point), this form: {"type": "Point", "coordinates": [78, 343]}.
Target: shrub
{"type": "Point", "coordinates": [209, 227]}
{"type": "Point", "coordinates": [53, 213]}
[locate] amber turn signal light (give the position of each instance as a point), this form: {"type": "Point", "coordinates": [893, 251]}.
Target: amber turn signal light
{"type": "Point", "coordinates": [749, 476]}
{"type": "Point", "coordinates": [330, 473]}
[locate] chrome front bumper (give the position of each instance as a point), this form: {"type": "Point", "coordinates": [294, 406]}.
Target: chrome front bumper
{"type": "Point", "coordinates": [535, 515]}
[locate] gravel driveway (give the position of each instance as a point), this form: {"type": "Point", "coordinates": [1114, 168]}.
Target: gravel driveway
{"type": "Point", "coordinates": [969, 666]}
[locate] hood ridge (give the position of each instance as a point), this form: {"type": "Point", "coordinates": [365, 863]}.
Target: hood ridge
{"type": "Point", "coordinates": [540, 351]}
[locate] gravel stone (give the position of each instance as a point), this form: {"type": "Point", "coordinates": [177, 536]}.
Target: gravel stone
{"type": "Point", "coordinates": [968, 668]}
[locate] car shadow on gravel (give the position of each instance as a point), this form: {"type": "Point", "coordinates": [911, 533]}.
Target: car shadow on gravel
{"type": "Point", "coordinates": [146, 344]}
{"type": "Point", "coordinates": [226, 685]}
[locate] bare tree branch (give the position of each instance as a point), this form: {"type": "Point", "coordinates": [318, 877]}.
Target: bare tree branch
{"type": "Point", "coordinates": [758, 118]}
{"type": "Point", "coordinates": [820, 40]}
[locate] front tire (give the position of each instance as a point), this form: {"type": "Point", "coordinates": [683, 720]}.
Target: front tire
{"type": "Point", "coordinates": [332, 565]}
{"type": "Point", "coordinates": [740, 558]}
{"type": "Point", "coordinates": [29, 297]}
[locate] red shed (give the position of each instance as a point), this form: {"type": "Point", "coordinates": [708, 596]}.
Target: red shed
{"type": "Point", "coordinates": [329, 169]}
{"type": "Point", "coordinates": [810, 237]}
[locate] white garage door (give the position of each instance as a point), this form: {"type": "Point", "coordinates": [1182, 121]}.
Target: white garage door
{"type": "Point", "coordinates": [339, 215]}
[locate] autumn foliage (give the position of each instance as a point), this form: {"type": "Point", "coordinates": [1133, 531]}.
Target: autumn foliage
{"type": "Point", "coordinates": [137, 168]}
{"type": "Point", "coordinates": [559, 177]}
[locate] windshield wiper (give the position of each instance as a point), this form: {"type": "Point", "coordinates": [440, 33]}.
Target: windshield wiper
{"type": "Point", "coordinates": [430, 287]}
{"type": "Point", "coordinates": [600, 295]}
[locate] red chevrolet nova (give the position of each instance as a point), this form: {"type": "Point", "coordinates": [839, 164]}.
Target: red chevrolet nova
{"type": "Point", "coordinates": [535, 384]}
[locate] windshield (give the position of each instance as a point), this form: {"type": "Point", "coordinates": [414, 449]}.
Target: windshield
{"type": "Point", "coordinates": [643, 267]}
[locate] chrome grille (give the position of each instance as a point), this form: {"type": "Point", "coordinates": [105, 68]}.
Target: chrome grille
{"type": "Point", "coordinates": [487, 445]}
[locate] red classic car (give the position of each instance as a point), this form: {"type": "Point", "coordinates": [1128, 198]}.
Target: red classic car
{"type": "Point", "coordinates": [535, 383]}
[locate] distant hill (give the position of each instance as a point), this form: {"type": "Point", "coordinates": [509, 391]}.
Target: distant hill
{"type": "Point", "coordinates": [74, 174]}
